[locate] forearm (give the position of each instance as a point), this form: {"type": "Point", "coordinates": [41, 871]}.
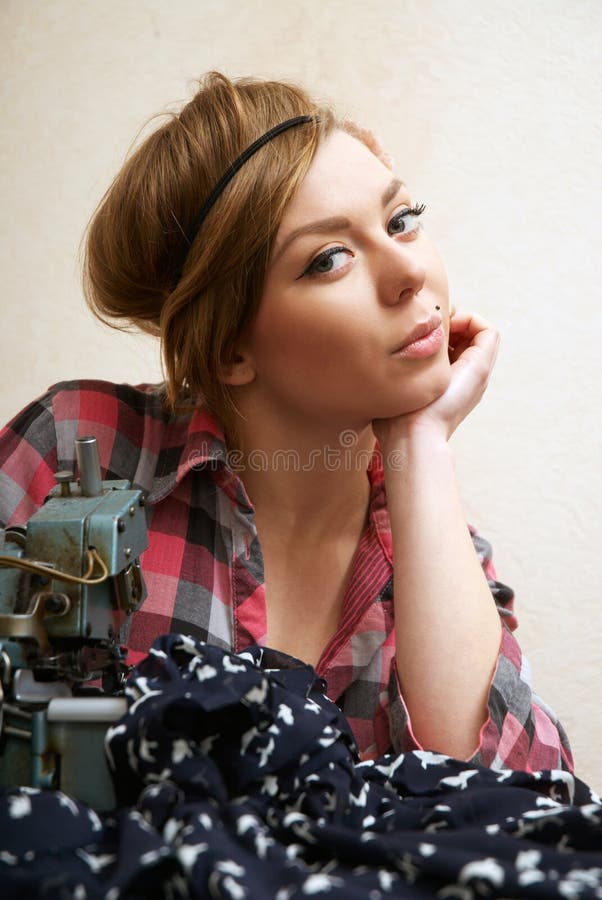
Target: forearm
{"type": "Point", "coordinates": [447, 627]}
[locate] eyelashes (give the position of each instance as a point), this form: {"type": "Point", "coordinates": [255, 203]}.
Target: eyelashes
{"type": "Point", "coordinates": [404, 222]}
{"type": "Point", "coordinates": [324, 263]}
{"type": "Point", "coordinates": [410, 213]}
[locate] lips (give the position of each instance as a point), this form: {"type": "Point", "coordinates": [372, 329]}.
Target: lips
{"type": "Point", "coordinates": [419, 331]}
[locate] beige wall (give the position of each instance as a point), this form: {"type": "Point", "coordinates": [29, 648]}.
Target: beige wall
{"type": "Point", "coordinates": [492, 111]}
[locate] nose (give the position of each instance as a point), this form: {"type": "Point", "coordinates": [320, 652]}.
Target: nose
{"type": "Point", "coordinates": [401, 273]}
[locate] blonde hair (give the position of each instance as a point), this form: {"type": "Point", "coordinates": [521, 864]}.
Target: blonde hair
{"type": "Point", "coordinates": [137, 237]}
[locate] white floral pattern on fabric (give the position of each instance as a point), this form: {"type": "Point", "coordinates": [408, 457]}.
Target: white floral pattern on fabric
{"type": "Point", "coordinates": [247, 783]}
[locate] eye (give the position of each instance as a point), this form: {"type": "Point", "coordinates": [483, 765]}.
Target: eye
{"type": "Point", "coordinates": [328, 261]}
{"type": "Point", "coordinates": [406, 220]}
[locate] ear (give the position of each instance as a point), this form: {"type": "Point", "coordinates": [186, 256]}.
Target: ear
{"type": "Point", "coordinates": [238, 372]}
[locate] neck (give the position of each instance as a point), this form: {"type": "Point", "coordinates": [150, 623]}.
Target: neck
{"type": "Point", "coordinates": [306, 481]}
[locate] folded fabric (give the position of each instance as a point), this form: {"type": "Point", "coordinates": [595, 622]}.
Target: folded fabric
{"type": "Point", "coordinates": [236, 777]}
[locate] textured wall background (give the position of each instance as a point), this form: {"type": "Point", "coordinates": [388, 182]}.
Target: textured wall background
{"type": "Point", "coordinates": [492, 111]}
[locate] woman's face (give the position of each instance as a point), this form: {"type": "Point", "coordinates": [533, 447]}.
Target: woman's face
{"type": "Point", "coordinates": [352, 279]}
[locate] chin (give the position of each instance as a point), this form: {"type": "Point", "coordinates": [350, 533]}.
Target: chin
{"type": "Point", "coordinates": [427, 390]}
{"type": "Point", "coordinates": [438, 385]}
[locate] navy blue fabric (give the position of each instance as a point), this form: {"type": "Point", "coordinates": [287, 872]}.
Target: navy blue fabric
{"type": "Point", "coordinates": [236, 777]}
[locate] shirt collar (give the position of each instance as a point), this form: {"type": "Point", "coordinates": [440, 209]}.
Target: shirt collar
{"type": "Point", "coordinates": [202, 445]}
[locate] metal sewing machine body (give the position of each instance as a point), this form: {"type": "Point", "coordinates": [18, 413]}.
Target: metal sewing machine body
{"type": "Point", "coordinates": [69, 580]}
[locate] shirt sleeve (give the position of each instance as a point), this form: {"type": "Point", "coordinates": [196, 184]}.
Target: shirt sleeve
{"type": "Point", "coordinates": [521, 731]}
{"type": "Point", "coordinates": [28, 461]}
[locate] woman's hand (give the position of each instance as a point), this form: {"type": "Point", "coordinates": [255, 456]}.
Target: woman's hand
{"type": "Point", "coordinates": [473, 346]}
{"type": "Point", "coordinates": [443, 604]}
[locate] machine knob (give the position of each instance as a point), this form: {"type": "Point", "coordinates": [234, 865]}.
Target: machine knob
{"type": "Point", "coordinates": [64, 478]}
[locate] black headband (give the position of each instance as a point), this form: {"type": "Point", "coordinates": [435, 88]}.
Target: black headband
{"type": "Point", "coordinates": [228, 176]}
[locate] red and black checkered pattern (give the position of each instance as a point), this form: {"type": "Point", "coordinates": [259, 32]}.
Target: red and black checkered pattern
{"type": "Point", "coordinates": [204, 569]}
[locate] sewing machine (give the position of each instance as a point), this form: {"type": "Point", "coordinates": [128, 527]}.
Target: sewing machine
{"type": "Point", "coordinates": [69, 580]}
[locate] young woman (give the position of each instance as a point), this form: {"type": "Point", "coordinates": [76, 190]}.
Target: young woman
{"type": "Point", "coordinates": [301, 488]}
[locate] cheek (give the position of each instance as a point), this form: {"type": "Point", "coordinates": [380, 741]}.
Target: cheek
{"type": "Point", "coordinates": [277, 335]}
{"type": "Point", "coordinates": [439, 281]}
{"type": "Point", "coordinates": [436, 274]}
{"type": "Point", "coordinates": [305, 357]}
{"type": "Point", "coordinates": [292, 335]}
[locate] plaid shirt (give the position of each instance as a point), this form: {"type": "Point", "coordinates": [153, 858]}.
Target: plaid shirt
{"type": "Point", "coordinates": [204, 569]}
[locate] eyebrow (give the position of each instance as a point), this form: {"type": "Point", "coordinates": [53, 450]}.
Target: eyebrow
{"type": "Point", "coordinates": [392, 189]}
{"type": "Point", "coordinates": [334, 223]}
{"type": "Point", "coordinates": [320, 225]}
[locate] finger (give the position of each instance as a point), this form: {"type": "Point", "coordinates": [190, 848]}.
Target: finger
{"type": "Point", "coordinates": [470, 328]}
{"type": "Point", "coordinates": [469, 322]}
{"type": "Point", "coordinates": [480, 355]}
{"type": "Point", "coordinates": [456, 348]}
{"type": "Point", "coordinates": [474, 335]}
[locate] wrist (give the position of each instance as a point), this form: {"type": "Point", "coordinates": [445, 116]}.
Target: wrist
{"type": "Point", "coordinates": [418, 456]}
{"type": "Point", "coordinates": [411, 436]}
